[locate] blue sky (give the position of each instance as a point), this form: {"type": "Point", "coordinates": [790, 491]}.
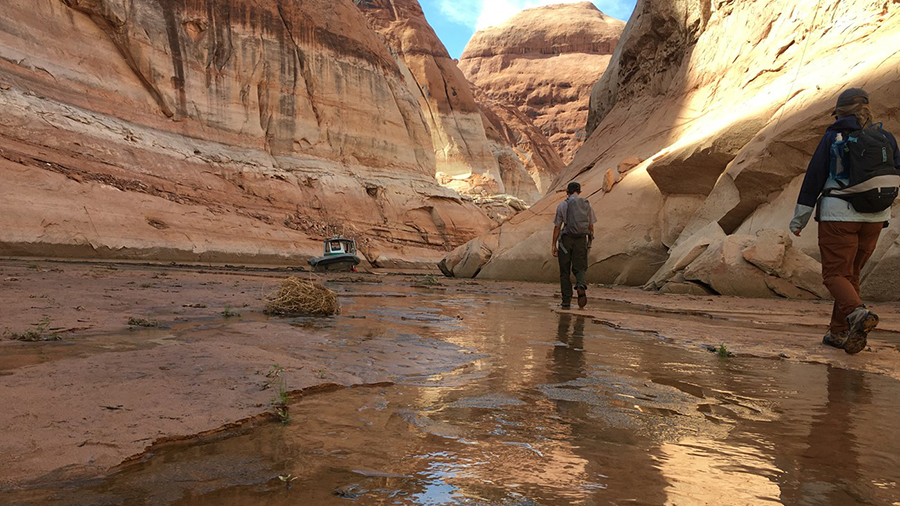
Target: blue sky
{"type": "Point", "coordinates": [456, 20]}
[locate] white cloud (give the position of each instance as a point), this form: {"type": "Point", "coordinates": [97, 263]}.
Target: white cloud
{"type": "Point", "coordinates": [480, 14]}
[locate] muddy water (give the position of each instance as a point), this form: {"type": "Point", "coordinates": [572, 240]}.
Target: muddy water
{"type": "Point", "coordinates": [552, 410]}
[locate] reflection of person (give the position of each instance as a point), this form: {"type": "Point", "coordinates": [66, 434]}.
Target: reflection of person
{"type": "Point", "coordinates": [572, 234]}
{"type": "Point", "coordinates": [568, 360]}
{"type": "Point", "coordinates": [826, 469]}
{"type": "Point", "coordinates": [840, 181]}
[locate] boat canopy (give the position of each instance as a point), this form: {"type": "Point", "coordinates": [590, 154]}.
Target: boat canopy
{"type": "Point", "coordinates": [339, 246]}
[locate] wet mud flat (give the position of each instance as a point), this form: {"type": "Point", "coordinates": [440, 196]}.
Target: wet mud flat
{"type": "Point", "coordinates": [467, 393]}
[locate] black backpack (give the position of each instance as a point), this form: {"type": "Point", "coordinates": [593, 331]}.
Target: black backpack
{"type": "Point", "coordinates": [868, 157]}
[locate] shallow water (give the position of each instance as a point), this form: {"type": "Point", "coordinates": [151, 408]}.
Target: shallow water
{"type": "Point", "coordinates": [552, 410]}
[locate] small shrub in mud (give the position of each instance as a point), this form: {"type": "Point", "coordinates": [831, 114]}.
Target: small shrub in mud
{"type": "Point", "coordinates": [430, 280]}
{"type": "Point", "coordinates": [302, 297]}
{"type": "Point", "coordinates": [37, 332]}
{"type": "Point", "coordinates": [721, 351]}
{"type": "Point", "coordinates": [287, 479]}
{"type": "Point", "coordinates": [229, 313]}
{"type": "Point", "coordinates": [280, 402]}
{"type": "Point", "coordinates": [142, 322]}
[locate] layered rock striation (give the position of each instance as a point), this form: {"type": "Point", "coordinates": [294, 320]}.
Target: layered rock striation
{"type": "Point", "coordinates": [722, 105]}
{"type": "Point", "coordinates": [544, 62]}
{"type": "Point", "coordinates": [470, 156]}
{"type": "Point", "coordinates": [202, 130]}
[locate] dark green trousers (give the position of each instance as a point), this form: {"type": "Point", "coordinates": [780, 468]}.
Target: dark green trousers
{"type": "Point", "coordinates": [573, 259]}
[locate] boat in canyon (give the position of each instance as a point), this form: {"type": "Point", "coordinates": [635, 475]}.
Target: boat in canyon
{"type": "Point", "coordinates": [340, 255]}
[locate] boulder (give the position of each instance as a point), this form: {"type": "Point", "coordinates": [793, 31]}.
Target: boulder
{"type": "Point", "coordinates": [880, 284]}
{"type": "Point", "coordinates": [679, 285]}
{"type": "Point", "coordinates": [768, 251]}
{"type": "Point", "coordinates": [610, 179]}
{"type": "Point", "coordinates": [685, 253]}
{"type": "Point", "coordinates": [787, 289]}
{"type": "Point", "coordinates": [803, 271]}
{"type": "Point", "coordinates": [722, 267]}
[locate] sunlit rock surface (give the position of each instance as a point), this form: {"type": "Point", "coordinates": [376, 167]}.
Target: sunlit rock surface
{"type": "Point", "coordinates": [723, 104]}
{"type": "Point", "coordinates": [544, 62]}
{"type": "Point", "coordinates": [233, 130]}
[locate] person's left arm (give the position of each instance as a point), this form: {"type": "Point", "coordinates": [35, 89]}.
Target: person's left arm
{"type": "Point", "coordinates": [896, 149]}
{"type": "Point", "coordinates": [591, 227]}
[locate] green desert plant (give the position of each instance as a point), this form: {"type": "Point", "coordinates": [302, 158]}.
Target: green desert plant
{"type": "Point", "coordinates": [229, 313]}
{"type": "Point", "coordinates": [37, 332]}
{"type": "Point", "coordinates": [723, 352]}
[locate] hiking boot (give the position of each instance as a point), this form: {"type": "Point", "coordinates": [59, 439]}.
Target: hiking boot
{"type": "Point", "coordinates": [565, 305]}
{"type": "Point", "coordinates": [837, 340]}
{"type": "Point", "coordinates": [582, 297]}
{"type": "Point", "coordinates": [862, 321]}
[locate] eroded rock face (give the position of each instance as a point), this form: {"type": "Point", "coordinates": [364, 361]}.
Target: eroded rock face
{"type": "Point", "coordinates": [544, 62]}
{"type": "Point", "coordinates": [464, 150]}
{"type": "Point", "coordinates": [723, 102]}
{"type": "Point", "coordinates": [518, 145]}
{"type": "Point", "coordinates": [229, 130]}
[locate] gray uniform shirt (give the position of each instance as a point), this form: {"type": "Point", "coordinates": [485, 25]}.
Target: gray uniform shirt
{"type": "Point", "coordinates": [562, 210]}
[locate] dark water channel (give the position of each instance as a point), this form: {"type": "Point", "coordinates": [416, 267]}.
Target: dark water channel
{"type": "Point", "coordinates": [553, 410]}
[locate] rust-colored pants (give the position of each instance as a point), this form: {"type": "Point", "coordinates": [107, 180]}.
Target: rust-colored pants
{"type": "Point", "coordinates": [845, 247]}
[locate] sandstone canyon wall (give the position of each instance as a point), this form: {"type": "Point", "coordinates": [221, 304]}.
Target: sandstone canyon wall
{"type": "Point", "coordinates": [468, 158]}
{"type": "Point", "coordinates": [213, 130]}
{"type": "Point", "coordinates": [701, 130]}
{"type": "Point", "coordinates": [544, 62]}
{"type": "Point", "coordinates": [519, 144]}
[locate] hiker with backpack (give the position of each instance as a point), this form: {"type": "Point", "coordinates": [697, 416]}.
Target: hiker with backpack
{"type": "Point", "coordinates": [851, 182]}
{"type": "Point", "coordinates": [573, 232]}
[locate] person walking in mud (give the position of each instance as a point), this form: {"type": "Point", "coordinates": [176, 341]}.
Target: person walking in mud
{"type": "Point", "coordinates": [573, 232]}
{"type": "Point", "coordinates": [851, 182]}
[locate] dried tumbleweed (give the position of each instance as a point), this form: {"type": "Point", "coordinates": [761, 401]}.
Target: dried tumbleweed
{"type": "Point", "coordinates": [302, 297]}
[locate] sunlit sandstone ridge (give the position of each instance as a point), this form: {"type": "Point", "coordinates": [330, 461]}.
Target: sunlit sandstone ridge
{"type": "Point", "coordinates": [720, 104]}
{"type": "Point", "coordinates": [544, 62]}
{"type": "Point", "coordinates": [200, 130]}
{"type": "Point", "coordinates": [471, 155]}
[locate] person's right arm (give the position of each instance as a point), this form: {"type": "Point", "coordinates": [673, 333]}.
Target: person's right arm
{"type": "Point", "coordinates": [553, 249]}
{"type": "Point", "coordinates": [558, 219]}
{"type": "Point", "coordinates": [813, 184]}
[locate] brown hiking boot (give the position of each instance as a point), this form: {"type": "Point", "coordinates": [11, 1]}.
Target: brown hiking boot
{"type": "Point", "coordinates": [862, 321]}
{"type": "Point", "coordinates": [837, 340]}
{"type": "Point", "coordinates": [582, 297]}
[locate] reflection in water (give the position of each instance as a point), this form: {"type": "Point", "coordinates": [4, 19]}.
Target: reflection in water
{"type": "Point", "coordinates": [553, 410]}
{"type": "Point", "coordinates": [828, 469]}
